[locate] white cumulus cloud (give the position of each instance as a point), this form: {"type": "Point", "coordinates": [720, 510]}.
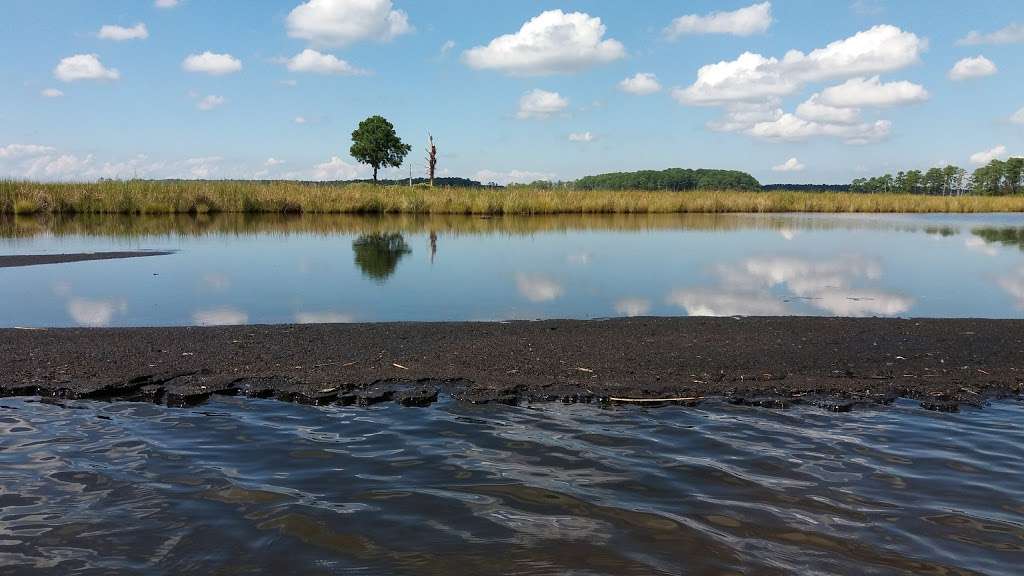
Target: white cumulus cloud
{"type": "Point", "coordinates": [641, 84]}
{"type": "Point", "coordinates": [541, 104]}
{"type": "Point", "coordinates": [83, 67]}
{"type": "Point", "coordinates": [13, 151]}
{"type": "Point", "coordinates": [751, 76]}
{"type": "Point", "coordinates": [165, 3]}
{"type": "Point", "coordinates": [986, 156]}
{"type": "Point", "coordinates": [632, 307]}
{"type": "Point", "coordinates": [220, 317]}
{"type": "Point", "coordinates": [51, 93]}
{"type": "Point", "coordinates": [1010, 34]}
{"type": "Point", "coordinates": [538, 288]}
{"type": "Point", "coordinates": [342, 22]}
{"type": "Point", "coordinates": [1018, 117]}
{"type": "Point", "coordinates": [551, 43]}
{"type": "Point", "coordinates": [119, 33]}
{"type": "Point", "coordinates": [790, 128]}
{"type": "Point", "coordinates": [813, 109]}
{"type": "Point", "coordinates": [791, 165]}
{"type": "Point", "coordinates": [857, 92]}
{"type": "Point", "coordinates": [582, 137]}
{"type": "Point", "coordinates": [212, 63]}
{"type": "Point", "coordinates": [511, 176]}
{"type": "Point", "coordinates": [975, 67]}
{"type": "Point", "coordinates": [310, 60]}
{"type": "Point", "coordinates": [335, 169]}
{"type": "Point", "coordinates": [754, 19]}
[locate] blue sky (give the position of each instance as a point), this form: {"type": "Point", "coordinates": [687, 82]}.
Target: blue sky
{"type": "Point", "coordinates": [511, 90]}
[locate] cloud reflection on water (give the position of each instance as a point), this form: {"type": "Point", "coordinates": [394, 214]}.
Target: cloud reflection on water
{"type": "Point", "coordinates": [829, 285]}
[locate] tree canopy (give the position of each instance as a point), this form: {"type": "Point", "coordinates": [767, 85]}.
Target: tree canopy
{"type": "Point", "coordinates": [671, 179]}
{"type": "Point", "coordinates": [998, 177]}
{"type": "Point", "coordinates": [376, 144]}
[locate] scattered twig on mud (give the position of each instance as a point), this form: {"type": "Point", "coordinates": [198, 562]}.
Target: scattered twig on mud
{"type": "Point", "coordinates": [588, 370]}
{"type": "Point", "coordinates": [399, 366]}
{"type": "Point", "coordinates": [983, 372]}
{"type": "Point", "coordinates": [968, 390]}
{"type": "Point", "coordinates": [352, 363]}
{"type": "Point", "coordinates": [642, 400]}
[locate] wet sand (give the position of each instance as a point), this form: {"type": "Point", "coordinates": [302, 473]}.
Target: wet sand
{"type": "Point", "coordinates": [835, 363]}
{"type": "Point", "coordinates": [18, 260]}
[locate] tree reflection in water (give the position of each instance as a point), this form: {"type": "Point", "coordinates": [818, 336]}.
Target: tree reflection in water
{"type": "Point", "coordinates": [377, 254]}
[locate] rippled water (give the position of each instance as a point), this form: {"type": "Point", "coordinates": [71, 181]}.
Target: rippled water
{"type": "Point", "coordinates": [243, 486]}
{"type": "Point", "coordinates": [237, 269]}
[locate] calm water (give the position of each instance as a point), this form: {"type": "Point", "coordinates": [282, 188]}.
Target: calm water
{"type": "Point", "coordinates": [244, 486]}
{"type": "Point", "coordinates": [231, 269]}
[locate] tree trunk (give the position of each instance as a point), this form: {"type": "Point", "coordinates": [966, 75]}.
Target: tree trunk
{"type": "Point", "coordinates": [374, 174]}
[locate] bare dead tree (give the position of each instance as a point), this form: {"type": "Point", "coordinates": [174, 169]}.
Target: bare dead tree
{"type": "Point", "coordinates": [431, 158]}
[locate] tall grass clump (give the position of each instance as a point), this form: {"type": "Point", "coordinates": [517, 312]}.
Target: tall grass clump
{"type": "Point", "coordinates": [285, 197]}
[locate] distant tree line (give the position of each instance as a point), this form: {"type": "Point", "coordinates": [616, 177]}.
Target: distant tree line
{"type": "Point", "coordinates": [671, 179]}
{"type": "Point", "coordinates": [998, 177]}
{"type": "Point", "coordinates": [807, 187]}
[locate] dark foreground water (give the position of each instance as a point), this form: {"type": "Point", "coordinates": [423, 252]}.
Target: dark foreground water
{"type": "Point", "coordinates": [242, 486]}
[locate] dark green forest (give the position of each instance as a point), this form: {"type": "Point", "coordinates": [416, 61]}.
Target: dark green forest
{"type": "Point", "coordinates": [671, 179]}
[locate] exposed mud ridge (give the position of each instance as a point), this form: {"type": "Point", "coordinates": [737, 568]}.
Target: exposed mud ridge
{"type": "Point", "coordinates": [834, 363]}
{"type": "Point", "coordinates": [18, 260]}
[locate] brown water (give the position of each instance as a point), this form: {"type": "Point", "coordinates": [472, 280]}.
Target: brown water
{"type": "Point", "coordinates": [245, 486]}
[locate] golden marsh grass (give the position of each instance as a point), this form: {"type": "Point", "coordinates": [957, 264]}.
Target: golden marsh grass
{"type": "Point", "coordinates": [198, 197]}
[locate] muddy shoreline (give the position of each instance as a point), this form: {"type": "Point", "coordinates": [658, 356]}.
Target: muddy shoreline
{"type": "Point", "coordinates": [835, 363]}
{"type": "Point", "coordinates": [19, 260]}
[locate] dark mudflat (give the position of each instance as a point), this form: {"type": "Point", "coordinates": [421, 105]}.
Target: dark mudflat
{"type": "Point", "coordinates": [836, 363]}
{"type": "Point", "coordinates": [38, 259]}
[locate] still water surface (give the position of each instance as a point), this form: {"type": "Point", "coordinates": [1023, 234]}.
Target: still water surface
{"type": "Point", "coordinates": [246, 486]}
{"type": "Point", "coordinates": [234, 269]}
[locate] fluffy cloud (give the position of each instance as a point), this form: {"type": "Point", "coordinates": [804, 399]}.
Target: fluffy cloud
{"type": "Point", "coordinates": [791, 165]}
{"type": "Point", "coordinates": [582, 137]}
{"type": "Point", "coordinates": [972, 68]}
{"type": "Point", "coordinates": [754, 19]}
{"type": "Point", "coordinates": [341, 22]}
{"type": "Point", "coordinates": [1013, 284]}
{"type": "Point", "coordinates": [857, 92]}
{"type": "Point", "coordinates": [51, 93]}
{"type": "Point", "coordinates": [212, 64]}
{"type": "Point", "coordinates": [83, 67]}
{"type": "Point", "coordinates": [752, 76]}
{"type": "Point", "coordinates": [210, 102]}
{"type": "Point", "coordinates": [447, 47]}
{"type": "Point", "coordinates": [537, 288]}
{"type": "Point", "coordinates": [551, 43]}
{"type": "Point", "coordinates": [335, 169]}
{"type": "Point", "coordinates": [790, 128]}
{"type": "Point", "coordinates": [203, 167]}
{"type": "Point", "coordinates": [1011, 34]}
{"type": "Point", "coordinates": [310, 60]}
{"type": "Point", "coordinates": [15, 151]}
{"type": "Point", "coordinates": [95, 313]}
{"type": "Point", "coordinates": [119, 33]}
{"type": "Point", "coordinates": [741, 116]}
{"type": "Point", "coordinates": [327, 317]}
{"type": "Point", "coordinates": [511, 176]}
{"type": "Point", "coordinates": [718, 302]}
{"type": "Point", "coordinates": [632, 307]}
{"type": "Point", "coordinates": [220, 317]}
{"type": "Point", "coordinates": [641, 84]}
{"type": "Point", "coordinates": [986, 156]}
{"type": "Point", "coordinates": [165, 3]}
{"type": "Point", "coordinates": [541, 104]}
{"type": "Point", "coordinates": [813, 109]}
{"type": "Point", "coordinates": [273, 162]}
{"type": "Point", "coordinates": [1018, 117]}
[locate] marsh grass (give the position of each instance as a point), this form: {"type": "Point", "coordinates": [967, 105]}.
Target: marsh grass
{"type": "Point", "coordinates": [203, 197]}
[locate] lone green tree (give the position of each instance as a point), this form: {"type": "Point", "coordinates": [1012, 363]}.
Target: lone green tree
{"type": "Point", "coordinates": [376, 144]}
